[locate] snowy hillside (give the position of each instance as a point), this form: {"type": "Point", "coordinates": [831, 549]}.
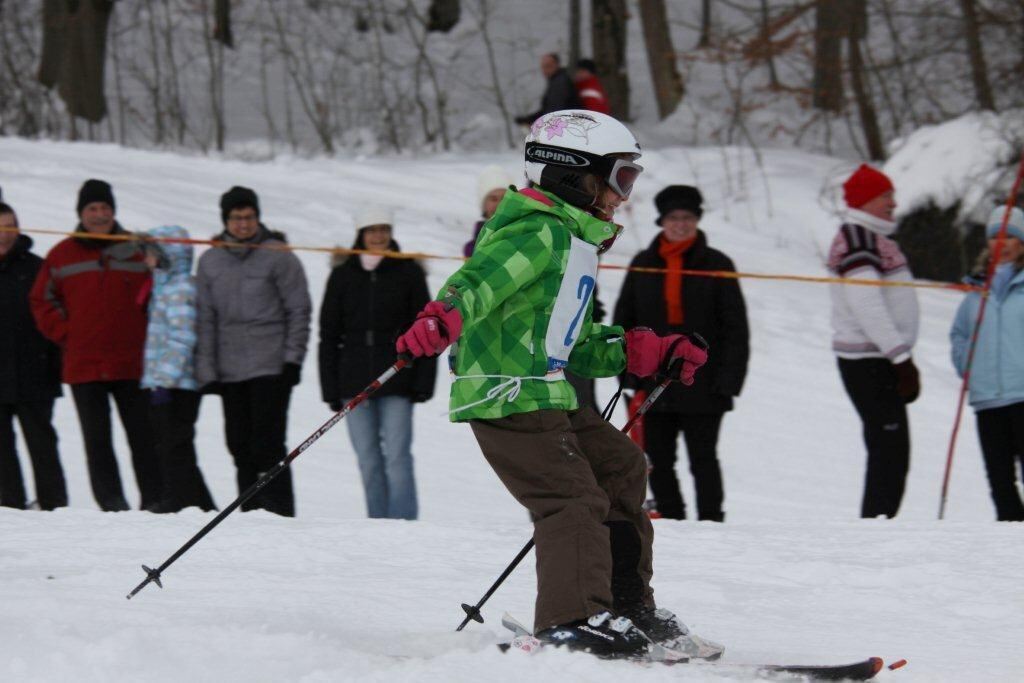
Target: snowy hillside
{"type": "Point", "coordinates": [331, 596]}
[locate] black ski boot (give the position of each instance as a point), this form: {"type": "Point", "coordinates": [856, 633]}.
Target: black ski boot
{"type": "Point", "coordinates": [603, 635]}
{"type": "Point", "coordinates": [668, 631]}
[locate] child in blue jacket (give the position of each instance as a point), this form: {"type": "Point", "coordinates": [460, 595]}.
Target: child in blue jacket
{"type": "Point", "coordinates": [169, 371]}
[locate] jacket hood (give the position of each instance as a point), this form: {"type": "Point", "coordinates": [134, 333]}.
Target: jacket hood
{"type": "Point", "coordinates": [338, 259]}
{"type": "Point", "coordinates": [515, 206]}
{"type": "Point", "coordinates": [176, 257]}
{"type": "Point", "coordinates": [100, 242]}
{"type": "Point", "coordinates": [22, 245]}
{"type": "Point", "coordinates": [262, 235]}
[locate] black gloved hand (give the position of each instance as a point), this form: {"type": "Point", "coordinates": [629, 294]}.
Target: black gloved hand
{"type": "Point", "coordinates": [291, 373]}
{"type": "Point", "coordinates": [420, 398]}
{"type": "Point", "coordinates": [335, 406]}
{"type": "Point", "coordinates": [211, 388]}
{"type": "Point", "coordinates": [908, 381]}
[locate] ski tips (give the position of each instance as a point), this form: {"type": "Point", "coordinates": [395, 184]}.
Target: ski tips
{"type": "Point", "coordinates": [876, 664]}
{"type": "Point", "coordinates": [898, 664]}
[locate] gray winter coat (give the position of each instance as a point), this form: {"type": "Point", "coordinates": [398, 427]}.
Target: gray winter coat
{"type": "Point", "coordinates": [253, 311]}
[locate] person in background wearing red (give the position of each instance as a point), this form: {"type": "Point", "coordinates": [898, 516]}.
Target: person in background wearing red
{"type": "Point", "coordinates": [588, 87]}
{"type": "Point", "coordinates": [29, 377]}
{"type": "Point", "coordinates": [90, 299]}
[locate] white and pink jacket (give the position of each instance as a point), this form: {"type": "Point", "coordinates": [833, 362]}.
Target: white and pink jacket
{"type": "Point", "coordinates": [868, 321]}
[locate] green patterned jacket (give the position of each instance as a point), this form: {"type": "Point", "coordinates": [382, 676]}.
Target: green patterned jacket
{"type": "Point", "coordinates": [520, 320]}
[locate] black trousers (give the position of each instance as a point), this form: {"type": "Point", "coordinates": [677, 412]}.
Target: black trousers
{"type": "Point", "coordinates": [255, 424]}
{"type": "Point", "coordinates": [35, 420]}
{"type": "Point", "coordinates": [174, 431]}
{"type": "Point", "coordinates": [700, 432]}
{"type": "Point", "coordinates": [1001, 432]}
{"type": "Point", "coordinates": [92, 401]}
{"type": "Point", "coordinates": [871, 385]}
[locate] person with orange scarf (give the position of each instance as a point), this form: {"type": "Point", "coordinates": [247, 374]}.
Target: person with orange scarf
{"type": "Point", "coordinates": [671, 303]}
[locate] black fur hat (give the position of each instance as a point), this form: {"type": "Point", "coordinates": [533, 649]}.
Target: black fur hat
{"type": "Point", "coordinates": [673, 197]}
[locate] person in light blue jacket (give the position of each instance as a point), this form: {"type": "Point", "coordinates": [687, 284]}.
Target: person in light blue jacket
{"type": "Point", "coordinates": [997, 370]}
{"type": "Point", "coordinates": [169, 370]}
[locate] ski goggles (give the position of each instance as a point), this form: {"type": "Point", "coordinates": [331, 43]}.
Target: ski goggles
{"type": "Point", "coordinates": [620, 174]}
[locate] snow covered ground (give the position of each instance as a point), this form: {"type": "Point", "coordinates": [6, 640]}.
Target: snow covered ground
{"type": "Point", "coordinates": [792, 576]}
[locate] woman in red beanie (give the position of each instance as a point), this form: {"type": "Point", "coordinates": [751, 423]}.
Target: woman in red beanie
{"type": "Point", "coordinates": [874, 330]}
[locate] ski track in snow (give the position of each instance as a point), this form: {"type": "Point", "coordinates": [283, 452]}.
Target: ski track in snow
{"type": "Point", "coordinates": [793, 577]}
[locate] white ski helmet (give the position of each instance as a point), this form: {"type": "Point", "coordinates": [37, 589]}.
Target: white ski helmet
{"type": "Point", "coordinates": [564, 146]}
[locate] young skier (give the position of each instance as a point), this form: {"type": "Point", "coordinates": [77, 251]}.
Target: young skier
{"type": "Point", "coordinates": [518, 314]}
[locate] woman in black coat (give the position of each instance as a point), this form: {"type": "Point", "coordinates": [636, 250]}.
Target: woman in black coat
{"type": "Point", "coordinates": [29, 377]}
{"type": "Point", "coordinates": [368, 302]}
{"type": "Point", "coordinates": [710, 306]}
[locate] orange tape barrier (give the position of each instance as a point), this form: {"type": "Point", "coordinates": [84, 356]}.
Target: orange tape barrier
{"type": "Point", "coordinates": [917, 284]}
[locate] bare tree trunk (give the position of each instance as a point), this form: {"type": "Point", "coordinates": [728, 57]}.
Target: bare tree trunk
{"type": "Point", "coordinates": [661, 56]}
{"type": "Point", "coordinates": [765, 31]}
{"type": "Point", "coordinates": [574, 32]}
{"type": "Point", "coordinates": [215, 84]}
{"type": "Point", "coordinates": [979, 70]}
{"type": "Point", "coordinates": [705, 24]}
{"type": "Point", "coordinates": [482, 14]}
{"type": "Point", "coordinates": [906, 89]}
{"type": "Point", "coordinates": [608, 34]}
{"type": "Point", "coordinates": [268, 113]}
{"type": "Point", "coordinates": [176, 108]}
{"type": "Point", "coordinates": [156, 87]}
{"type": "Point", "coordinates": [118, 82]}
{"type": "Point", "coordinates": [856, 20]}
{"type": "Point", "coordinates": [312, 104]}
{"type": "Point", "coordinates": [828, 55]}
{"type": "Point", "coordinates": [440, 97]}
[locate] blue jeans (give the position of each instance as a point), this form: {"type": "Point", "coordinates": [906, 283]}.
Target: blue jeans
{"type": "Point", "coordinates": [381, 433]}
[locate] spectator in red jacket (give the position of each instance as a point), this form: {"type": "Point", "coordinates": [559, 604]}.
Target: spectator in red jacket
{"type": "Point", "coordinates": [589, 88]}
{"type": "Point", "coordinates": [90, 298]}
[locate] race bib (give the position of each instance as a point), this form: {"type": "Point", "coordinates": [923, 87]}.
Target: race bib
{"type": "Point", "coordinates": [578, 282]}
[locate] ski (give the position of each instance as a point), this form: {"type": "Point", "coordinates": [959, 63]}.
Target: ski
{"type": "Point", "coordinates": [863, 670]}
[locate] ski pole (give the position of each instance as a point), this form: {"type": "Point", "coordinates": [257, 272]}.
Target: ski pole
{"type": "Point", "coordinates": [153, 575]}
{"type": "Point", "coordinates": [667, 376]}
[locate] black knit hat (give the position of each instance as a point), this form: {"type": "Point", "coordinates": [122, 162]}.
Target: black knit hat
{"type": "Point", "coordinates": [238, 198]}
{"type": "Point", "coordinates": [675, 197]}
{"type": "Point", "coordinates": [95, 191]}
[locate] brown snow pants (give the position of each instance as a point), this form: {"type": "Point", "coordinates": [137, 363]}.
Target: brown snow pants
{"type": "Point", "coordinates": [574, 472]}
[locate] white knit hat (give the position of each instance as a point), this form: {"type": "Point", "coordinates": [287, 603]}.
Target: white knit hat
{"type": "Point", "coordinates": [374, 215]}
{"type": "Point", "coordinates": [491, 178]}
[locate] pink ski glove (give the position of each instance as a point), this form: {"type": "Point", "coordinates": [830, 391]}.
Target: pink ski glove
{"type": "Point", "coordinates": [647, 353]}
{"type": "Point", "coordinates": [434, 329]}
